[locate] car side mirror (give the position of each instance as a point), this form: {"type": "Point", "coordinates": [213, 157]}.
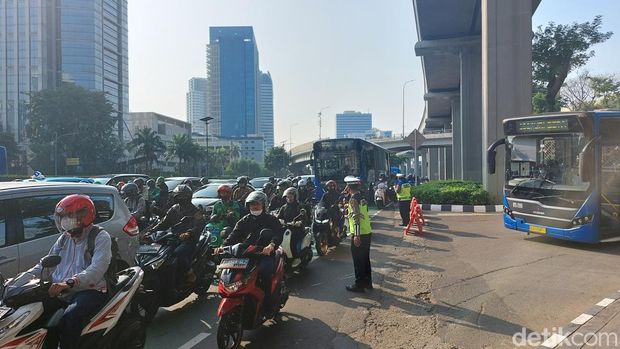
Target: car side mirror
{"type": "Point", "coordinates": [50, 261]}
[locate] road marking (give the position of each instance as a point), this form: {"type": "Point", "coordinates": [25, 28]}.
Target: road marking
{"type": "Point", "coordinates": [194, 341]}
{"type": "Point", "coordinates": [320, 283]}
{"type": "Point", "coordinates": [605, 302]}
{"type": "Point", "coordinates": [553, 341]}
{"type": "Point", "coordinates": [582, 319]}
{"type": "Point", "coordinates": [347, 276]}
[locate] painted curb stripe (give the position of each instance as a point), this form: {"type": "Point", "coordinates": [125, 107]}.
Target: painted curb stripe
{"type": "Point", "coordinates": [582, 319]}
{"type": "Point", "coordinates": [553, 341]}
{"type": "Point", "coordinates": [605, 302]}
{"type": "Point", "coordinates": [462, 208]}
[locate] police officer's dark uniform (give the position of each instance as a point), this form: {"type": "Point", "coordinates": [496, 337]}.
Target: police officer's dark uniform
{"type": "Point", "coordinates": [359, 228]}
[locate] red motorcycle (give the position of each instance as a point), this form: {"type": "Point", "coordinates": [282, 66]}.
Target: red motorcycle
{"type": "Point", "coordinates": [242, 298]}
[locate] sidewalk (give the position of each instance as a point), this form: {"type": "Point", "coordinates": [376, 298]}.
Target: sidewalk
{"type": "Point", "coordinates": [598, 327]}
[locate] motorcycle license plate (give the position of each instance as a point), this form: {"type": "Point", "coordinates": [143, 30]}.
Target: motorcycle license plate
{"type": "Point", "coordinates": [149, 249]}
{"type": "Point", "coordinates": [234, 263]}
{"type": "Point", "coordinates": [4, 311]}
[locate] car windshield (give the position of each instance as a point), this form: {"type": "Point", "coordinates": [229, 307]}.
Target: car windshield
{"type": "Point", "coordinates": [173, 183]}
{"type": "Point", "coordinates": [258, 182]}
{"type": "Point", "coordinates": [209, 192]}
{"type": "Point", "coordinates": [545, 161]}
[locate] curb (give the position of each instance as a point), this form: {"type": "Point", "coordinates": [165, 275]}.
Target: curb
{"type": "Point", "coordinates": [557, 338]}
{"type": "Point", "coordinates": [463, 208]}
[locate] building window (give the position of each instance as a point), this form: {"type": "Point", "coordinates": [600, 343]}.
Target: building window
{"type": "Point", "coordinates": [161, 129]}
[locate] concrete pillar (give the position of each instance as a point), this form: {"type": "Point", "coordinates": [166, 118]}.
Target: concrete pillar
{"type": "Point", "coordinates": [506, 74]}
{"type": "Point", "coordinates": [449, 162]}
{"type": "Point", "coordinates": [424, 153]}
{"type": "Point", "coordinates": [457, 145]}
{"type": "Point", "coordinates": [471, 112]}
{"type": "Point", "coordinates": [433, 163]}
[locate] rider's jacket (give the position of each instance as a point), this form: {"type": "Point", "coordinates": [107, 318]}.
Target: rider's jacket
{"type": "Point", "coordinates": [249, 227]}
{"type": "Point", "coordinates": [175, 214]}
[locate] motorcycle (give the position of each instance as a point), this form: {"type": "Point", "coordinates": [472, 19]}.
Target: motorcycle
{"type": "Point", "coordinates": [24, 325]}
{"type": "Point", "coordinates": [326, 231]}
{"type": "Point", "coordinates": [297, 261]}
{"type": "Point", "coordinates": [242, 299]}
{"type": "Point", "coordinates": [380, 195]}
{"type": "Point", "coordinates": [160, 266]}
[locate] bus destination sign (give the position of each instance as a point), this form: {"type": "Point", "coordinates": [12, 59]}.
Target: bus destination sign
{"type": "Point", "coordinates": [542, 126]}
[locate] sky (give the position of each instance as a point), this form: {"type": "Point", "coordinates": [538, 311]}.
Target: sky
{"type": "Point", "coordinates": [345, 54]}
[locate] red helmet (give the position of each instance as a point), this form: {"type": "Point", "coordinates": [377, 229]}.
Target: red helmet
{"type": "Point", "coordinates": [74, 213]}
{"type": "Point", "coordinates": [224, 189]}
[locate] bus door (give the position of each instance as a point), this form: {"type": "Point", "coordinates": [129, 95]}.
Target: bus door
{"type": "Point", "coordinates": [610, 177]}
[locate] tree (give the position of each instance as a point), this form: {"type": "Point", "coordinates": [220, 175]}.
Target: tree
{"type": "Point", "coordinates": [244, 167]}
{"type": "Point", "coordinates": [277, 160]}
{"type": "Point", "coordinates": [589, 92]}
{"type": "Point", "coordinates": [557, 50]}
{"type": "Point", "coordinates": [71, 121]}
{"type": "Point", "coordinates": [7, 140]}
{"type": "Point", "coordinates": [147, 144]}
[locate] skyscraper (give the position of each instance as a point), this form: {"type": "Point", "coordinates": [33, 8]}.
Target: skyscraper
{"type": "Point", "coordinates": [46, 42]}
{"type": "Point", "coordinates": [232, 74]}
{"type": "Point", "coordinates": [352, 122]}
{"type": "Point", "coordinates": [197, 104]}
{"type": "Point", "coordinates": [265, 111]}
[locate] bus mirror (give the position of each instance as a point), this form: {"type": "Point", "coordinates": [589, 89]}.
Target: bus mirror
{"type": "Point", "coordinates": [492, 153]}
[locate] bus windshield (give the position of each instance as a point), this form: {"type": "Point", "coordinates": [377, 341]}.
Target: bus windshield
{"type": "Point", "coordinates": [337, 163]}
{"type": "Point", "coordinates": [543, 162]}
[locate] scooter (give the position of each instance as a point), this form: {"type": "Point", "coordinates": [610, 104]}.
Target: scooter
{"type": "Point", "coordinates": [241, 307]}
{"type": "Point", "coordinates": [24, 326]}
{"type": "Point", "coordinates": [300, 260]}
{"type": "Point", "coordinates": [325, 231]}
{"type": "Point", "coordinates": [160, 267]}
{"type": "Point", "coordinates": [380, 195]}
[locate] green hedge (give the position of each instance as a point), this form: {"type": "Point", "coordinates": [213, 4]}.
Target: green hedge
{"type": "Point", "coordinates": [451, 192]}
{"type": "Point", "coordinates": [9, 178]}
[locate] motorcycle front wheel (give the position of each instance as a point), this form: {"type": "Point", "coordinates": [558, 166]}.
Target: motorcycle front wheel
{"type": "Point", "coordinates": [230, 330]}
{"type": "Point", "coordinates": [321, 244]}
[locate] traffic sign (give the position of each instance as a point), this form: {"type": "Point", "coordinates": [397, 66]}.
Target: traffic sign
{"type": "Point", "coordinates": [73, 161]}
{"type": "Point", "coordinates": [415, 139]}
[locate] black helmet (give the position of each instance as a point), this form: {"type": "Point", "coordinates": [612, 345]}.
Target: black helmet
{"type": "Point", "coordinates": [204, 181]}
{"type": "Point", "coordinates": [129, 190]}
{"type": "Point", "coordinates": [242, 179]}
{"type": "Point", "coordinates": [182, 194]}
{"type": "Point", "coordinates": [283, 184]}
{"type": "Point", "coordinates": [150, 183]}
{"type": "Point", "coordinates": [267, 187]}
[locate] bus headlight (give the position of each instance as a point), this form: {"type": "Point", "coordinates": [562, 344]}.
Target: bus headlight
{"type": "Point", "coordinates": [581, 220]}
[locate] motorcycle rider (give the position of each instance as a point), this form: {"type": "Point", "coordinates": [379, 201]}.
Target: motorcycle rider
{"type": "Point", "coordinates": [142, 189]}
{"type": "Point", "coordinates": [204, 181]}
{"type": "Point", "coordinates": [242, 191]}
{"type": "Point", "coordinates": [330, 201]}
{"type": "Point", "coordinates": [226, 212]}
{"type": "Point", "coordinates": [134, 201]}
{"type": "Point", "coordinates": [188, 233]}
{"type": "Point", "coordinates": [269, 191]}
{"type": "Point", "coordinates": [292, 212]}
{"type": "Point", "coordinates": [161, 205]}
{"type": "Point", "coordinates": [278, 200]}
{"type": "Point", "coordinates": [153, 191]}
{"type": "Point", "coordinates": [248, 230]}
{"type": "Point", "coordinates": [78, 282]}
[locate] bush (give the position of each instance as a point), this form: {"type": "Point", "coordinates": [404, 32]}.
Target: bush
{"type": "Point", "coordinates": [451, 192]}
{"type": "Point", "coordinates": [9, 178]}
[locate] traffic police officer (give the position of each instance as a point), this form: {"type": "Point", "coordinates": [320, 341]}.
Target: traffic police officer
{"type": "Point", "coordinates": [359, 228]}
{"type": "Point", "coordinates": [403, 194]}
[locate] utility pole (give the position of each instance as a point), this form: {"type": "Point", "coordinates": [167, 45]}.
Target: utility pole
{"type": "Point", "coordinates": [405, 84]}
{"type": "Point", "coordinates": [320, 124]}
{"type": "Point", "coordinates": [206, 120]}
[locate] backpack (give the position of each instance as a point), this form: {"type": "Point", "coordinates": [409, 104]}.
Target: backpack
{"type": "Point", "coordinates": [110, 274]}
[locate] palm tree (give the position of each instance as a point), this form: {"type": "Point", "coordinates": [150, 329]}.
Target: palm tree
{"type": "Point", "coordinates": [235, 152]}
{"type": "Point", "coordinates": [147, 144]}
{"type": "Point", "coordinates": [181, 148]}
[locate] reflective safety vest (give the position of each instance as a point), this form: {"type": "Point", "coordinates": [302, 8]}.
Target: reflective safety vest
{"type": "Point", "coordinates": [365, 228]}
{"type": "Point", "coordinates": [405, 192]}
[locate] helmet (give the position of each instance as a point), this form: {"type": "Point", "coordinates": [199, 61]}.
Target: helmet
{"type": "Point", "coordinates": [150, 183]}
{"type": "Point", "coordinates": [293, 191]}
{"type": "Point", "coordinates": [382, 176]}
{"type": "Point", "coordinates": [182, 194]}
{"type": "Point", "coordinates": [242, 179]}
{"type": "Point", "coordinates": [400, 175]}
{"type": "Point", "coordinates": [331, 183]}
{"type": "Point", "coordinates": [352, 180]}
{"type": "Point", "coordinates": [120, 185]}
{"type": "Point", "coordinates": [285, 183]}
{"type": "Point", "coordinates": [160, 180]}
{"type": "Point", "coordinates": [224, 188]}
{"type": "Point", "coordinates": [204, 180]}
{"type": "Point", "coordinates": [272, 179]}
{"type": "Point", "coordinates": [410, 177]}
{"type": "Point", "coordinates": [302, 182]}
{"type": "Point", "coordinates": [129, 190]}
{"type": "Point", "coordinates": [267, 187]}
{"type": "Point", "coordinates": [139, 181]}
{"type": "Point", "coordinates": [74, 213]}
{"type": "Point", "coordinates": [257, 196]}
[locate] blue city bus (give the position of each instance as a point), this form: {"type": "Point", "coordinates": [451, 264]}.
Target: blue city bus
{"type": "Point", "coordinates": [334, 159]}
{"type": "Point", "coordinates": [562, 175]}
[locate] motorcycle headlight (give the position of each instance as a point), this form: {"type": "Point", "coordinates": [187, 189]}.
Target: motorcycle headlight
{"type": "Point", "coordinates": [14, 323]}
{"type": "Point", "coordinates": [157, 264]}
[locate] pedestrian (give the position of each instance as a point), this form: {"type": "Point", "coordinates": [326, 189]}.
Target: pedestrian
{"type": "Point", "coordinates": [360, 230]}
{"type": "Point", "coordinates": [403, 194]}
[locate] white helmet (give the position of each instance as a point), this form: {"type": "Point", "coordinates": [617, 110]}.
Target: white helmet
{"type": "Point", "coordinates": [291, 190]}
{"type": "Point", "coordinates": [257, 196]}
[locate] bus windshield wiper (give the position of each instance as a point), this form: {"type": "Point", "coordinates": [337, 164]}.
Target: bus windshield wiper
{"type": "Point", "coordinates": [520, 184]}
{"type": "Point", "coordinates": [572, 202]}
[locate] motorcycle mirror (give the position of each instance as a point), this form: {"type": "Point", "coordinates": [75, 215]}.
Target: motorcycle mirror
{"type": "Point", "coordinates": [50, 261]}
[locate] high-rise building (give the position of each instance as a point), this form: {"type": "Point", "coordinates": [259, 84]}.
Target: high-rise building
{"type": "Point", "coordinates": [197, 105]}
{"type": "Point", "coordinates": [44, 43]}
{"type": "Point", "coordinates": [265, 110]}
{"type": "Point", "coordinates": [233, 75]}
{"type": "Point", "coordinates": [352, 122]}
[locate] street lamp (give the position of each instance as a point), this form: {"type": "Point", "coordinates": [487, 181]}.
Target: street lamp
{"type": "Point", "coordinates": [405, 84]}
{"type": "Point", "coordinates": [321, 114]}
{"type": "Point", "coordinates": [206, 120]}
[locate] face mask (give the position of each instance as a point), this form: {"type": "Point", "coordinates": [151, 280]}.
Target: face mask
{"type": "Point", "coordinates": [68, 223]}
{"type": "Point", "coordinates": [256, 212]}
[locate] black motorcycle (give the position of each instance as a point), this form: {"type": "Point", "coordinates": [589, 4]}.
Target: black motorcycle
{"type": "Point", "coordinates": [160, 269]}
{"type": "Point", "coordinates": [325, 230]}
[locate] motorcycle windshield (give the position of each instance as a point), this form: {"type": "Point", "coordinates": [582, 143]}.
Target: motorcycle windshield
{"type": "Point", "coordinates": [22, 283]}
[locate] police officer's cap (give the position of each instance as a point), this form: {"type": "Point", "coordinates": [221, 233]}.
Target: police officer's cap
{"type": "Point", "coordinates": [352, 180]}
